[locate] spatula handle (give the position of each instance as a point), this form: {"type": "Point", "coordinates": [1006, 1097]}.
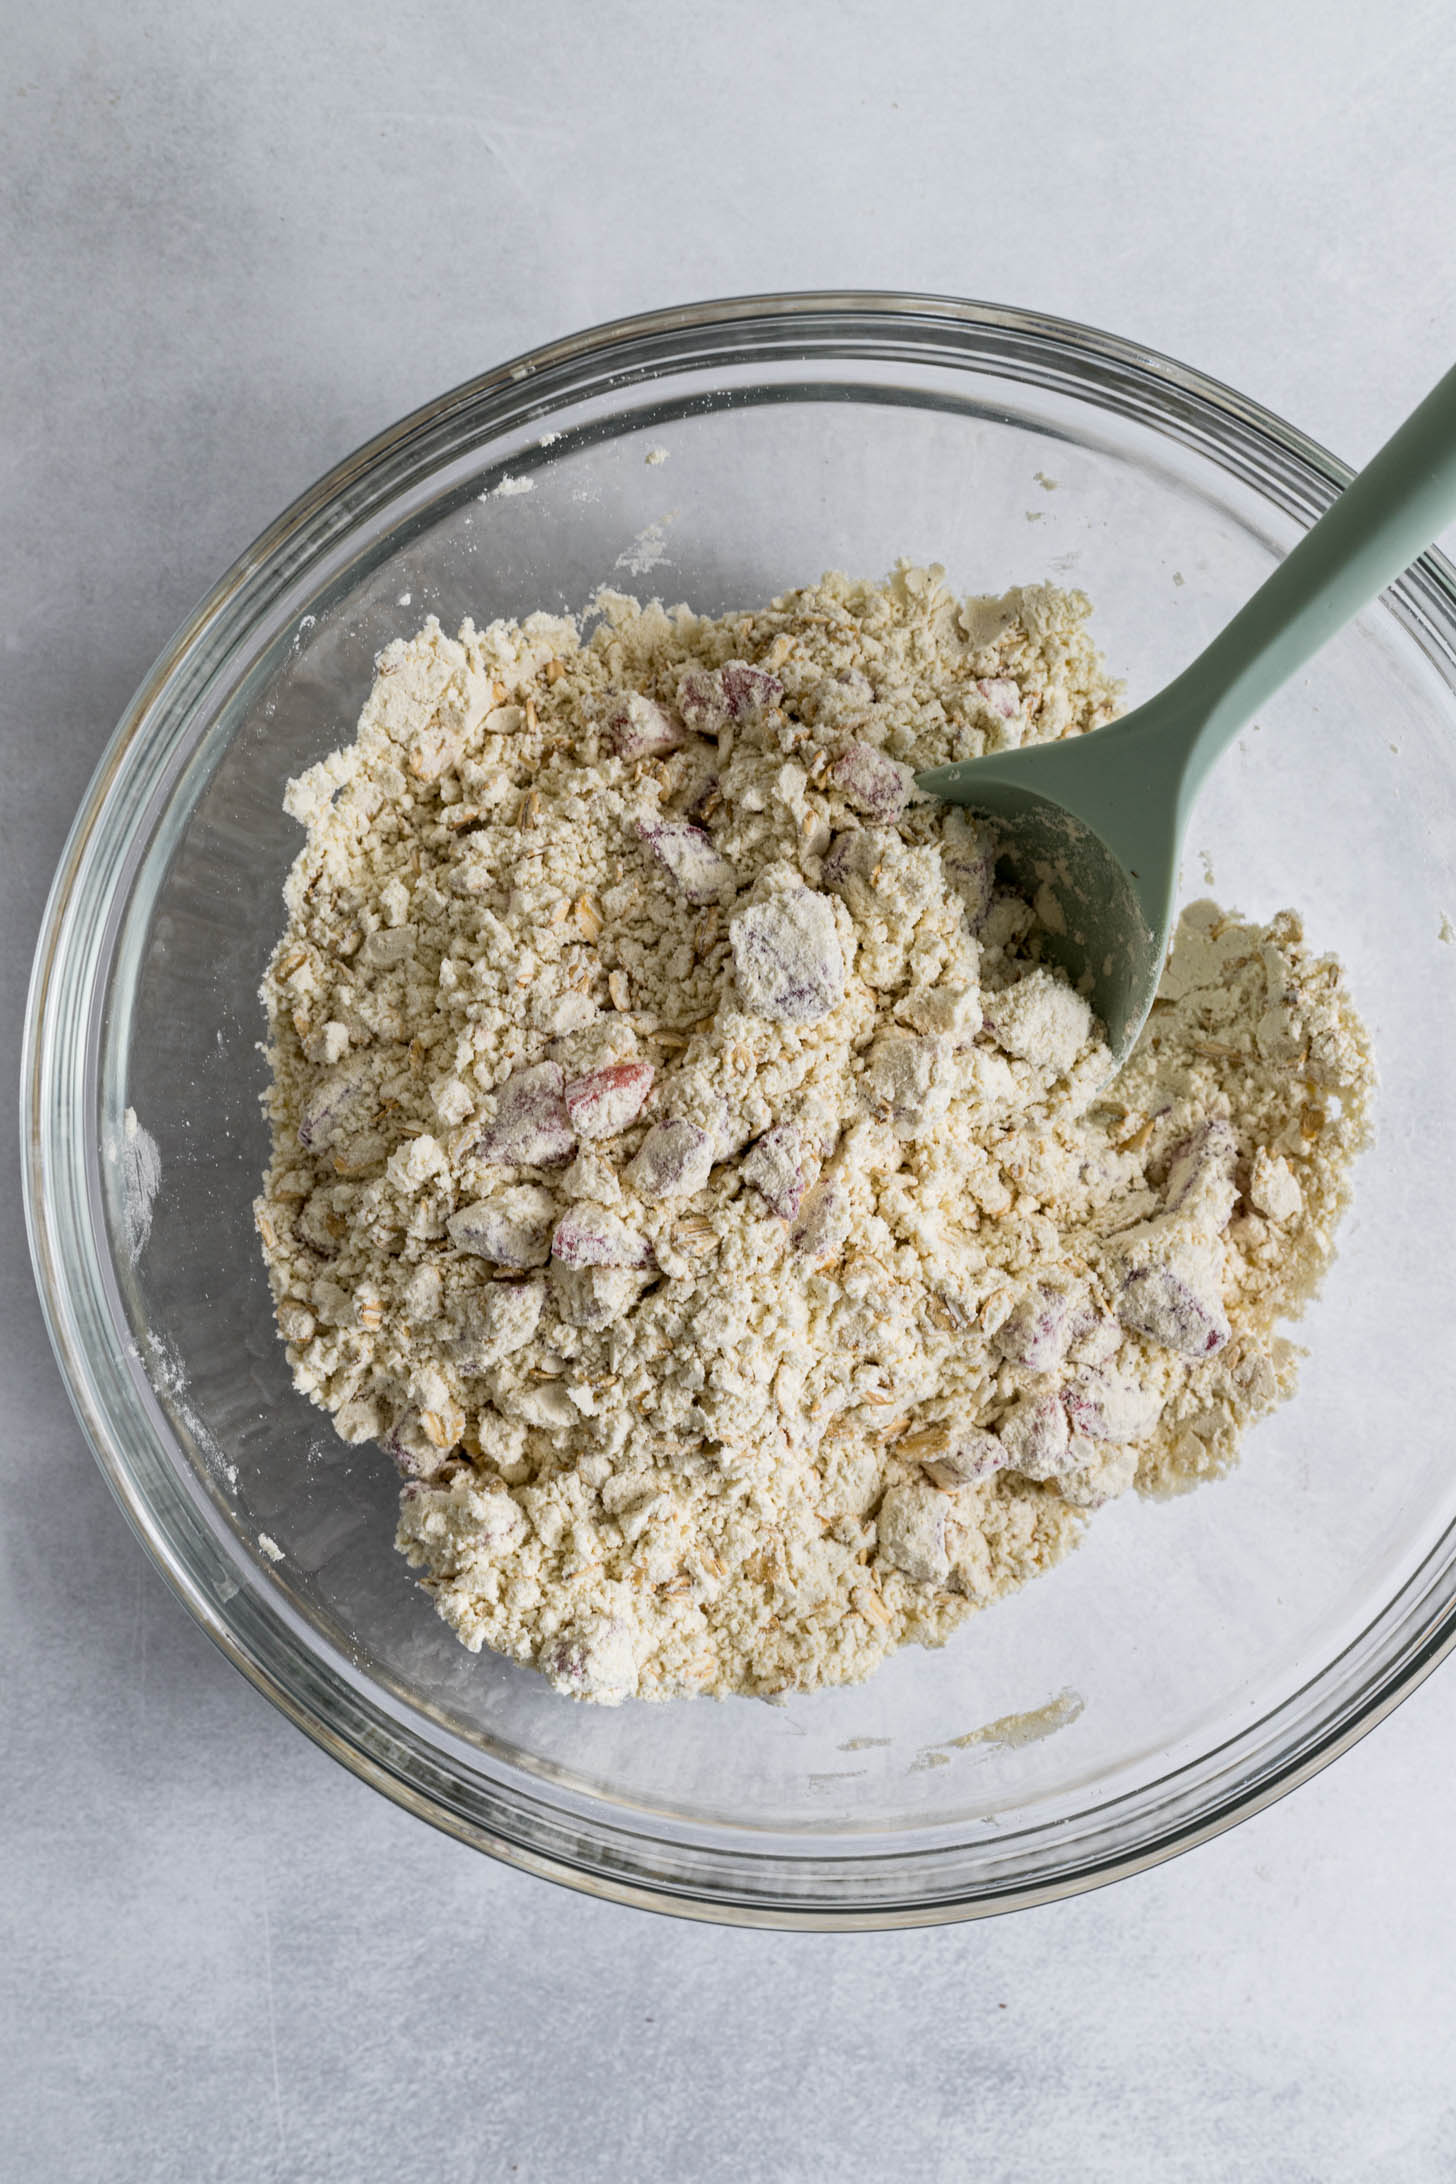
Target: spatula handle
{"type": "Point", "coordinates": [1384, 518]}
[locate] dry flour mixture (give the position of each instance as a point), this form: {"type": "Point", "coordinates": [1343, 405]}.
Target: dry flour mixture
{"type": "Point", "coordinates": [687, 1169]}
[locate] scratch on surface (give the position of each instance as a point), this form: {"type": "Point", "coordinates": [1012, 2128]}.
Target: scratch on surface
{"type": "Point", "coordinates": [822, 1781]}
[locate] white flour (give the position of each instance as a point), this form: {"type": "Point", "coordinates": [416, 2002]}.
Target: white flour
{"type": "Point", "coordinates": [141, 1176]}
{"type": "Point", "coordinates": [686, 1169]}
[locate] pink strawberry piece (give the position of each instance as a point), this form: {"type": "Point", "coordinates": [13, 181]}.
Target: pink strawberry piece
{"type": "Point", "coordinates": [787, 959]}
{"type": "Point", "coordinates": [871, 782]}
{"type": "Point", "coordinates": [748, 691]}
{"type": "Point", "coordinates": [531, 1127]}
{"type": "Point", "coordinates": [1093, 1337]}
{"type": "Point", "coordinates": [1037, 1332]}
{"type": "Point", "coordinates": [973, 1455]}
{"type": "Point", "coordinates": [1001, 694]}
{"type": "Point", "coordinates": [708, 698]}
{"type": "Point", "coordinates": [331, 1104]}
{"type": "Point", "coordinates": [674, 1160]}
{"type": "Point", "coordinates": [701, 701]}
{"type": "Point", "coordinates": [688, 854]}
{"type": "Point", "coordinates": [604, 1101]}
{"type": "Point", "coordinates": [1034, 1437]}
{"type": "Point", "coordinates": [512, 1227]}
{"type": "Point", "coordinates": [853, 856]}
{"type": "Point", "coordinates": [774, 1166]}
{"type": "Point", "coordinates": [588, 1235]}
{"type": "Point", "coordinates": [637, 727]}
{"type": "Point", "coordinates": [1103, 1406]}
{"type": "Point", "coordinates": [1175, 1301]}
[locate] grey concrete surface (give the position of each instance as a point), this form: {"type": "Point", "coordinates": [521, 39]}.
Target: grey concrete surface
{"type": "Point", "coordinates": [234, 241]}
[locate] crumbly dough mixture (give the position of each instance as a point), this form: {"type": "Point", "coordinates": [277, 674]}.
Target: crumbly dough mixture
{"type": "Point", "coordinates": [689, 1171]}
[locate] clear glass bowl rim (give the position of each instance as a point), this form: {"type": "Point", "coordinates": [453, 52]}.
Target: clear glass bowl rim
{"type": "Point", "coordinates": [58, 1100]}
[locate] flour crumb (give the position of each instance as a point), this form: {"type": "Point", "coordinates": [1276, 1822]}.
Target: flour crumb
{"type": "Point", "coordinates": [1048, 485]}
{"type": "Point", "coordinates": [691, 1169]}
{"type": "Point", "coordinates": [508, 488]}
{"type": "Point", "coordinates": [270, 1547]}
{"type": "Point", "coordinates": [141, 1176]}
{"type": "Point", "coordinates": [1447, 930]}
{"type": "Point", "coordinates": [654, 456]}
{"type": "Point", "coordinates": [168, 1375]}
{"type": "Point", "coordinates": [647, 551]}
{"type": "Point", "coordinates": [1014, 1730]}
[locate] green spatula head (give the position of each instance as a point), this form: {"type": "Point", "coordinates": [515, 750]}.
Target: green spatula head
{"type": "Point", "coordinates": [1105, 895]}
{"type": "Point", "coordinates": [1098, 821]}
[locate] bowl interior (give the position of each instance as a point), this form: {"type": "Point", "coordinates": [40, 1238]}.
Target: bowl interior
{"type": "Point", "coordinates": [1173, 1657]}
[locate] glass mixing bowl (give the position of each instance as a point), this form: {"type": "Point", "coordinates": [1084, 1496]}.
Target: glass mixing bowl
{"type": "Point", "coordinates": [1193, 1659]}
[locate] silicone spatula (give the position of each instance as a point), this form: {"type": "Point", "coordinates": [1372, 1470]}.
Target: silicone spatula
{"type": "Point", "coordinates": [1102, 817]}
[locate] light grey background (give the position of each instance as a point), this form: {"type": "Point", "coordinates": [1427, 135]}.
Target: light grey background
{"type": "Point", "coordinates": [235, 241]}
